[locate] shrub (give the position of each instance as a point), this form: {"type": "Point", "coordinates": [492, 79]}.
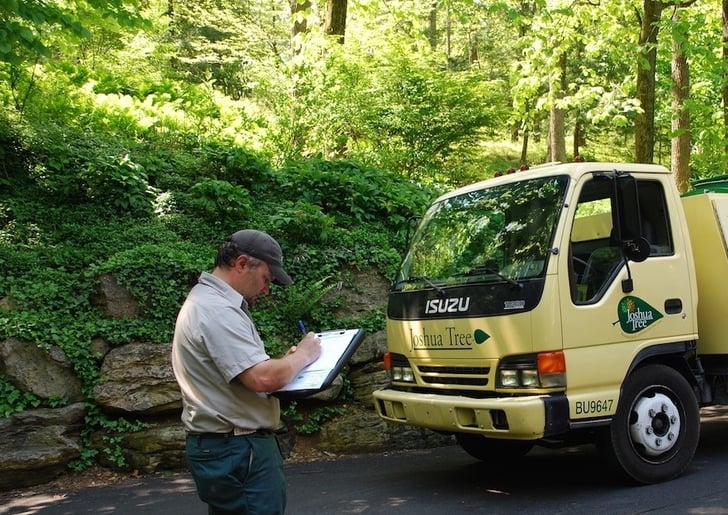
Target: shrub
{"type": "Point", "coordinates": [158, 275]}
{"type": "Point", "coordinates": [216, 200]}
{"type": "Point", "coordinates": [236, 165]}
{"type": "Point", "coordinates": [118, 182]}
{"type": "Point", "coordinates": [354, 193]}
{"type": "Point", "coordinates": [301, 222]}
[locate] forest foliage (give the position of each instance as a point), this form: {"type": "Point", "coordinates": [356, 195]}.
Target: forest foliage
{"type": "Point", "coordinates": [137, 134]}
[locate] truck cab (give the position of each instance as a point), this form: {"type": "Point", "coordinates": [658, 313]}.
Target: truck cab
{"type": "Point", "coordinates": [552, 306]}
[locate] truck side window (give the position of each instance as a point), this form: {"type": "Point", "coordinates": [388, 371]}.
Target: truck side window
{"type": "Point", "coordinates": [595, 255]}
{"type": "Point", "coordinates": [655, 223]}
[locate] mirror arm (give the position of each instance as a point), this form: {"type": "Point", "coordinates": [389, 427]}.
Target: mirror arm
{"type": "Point", "coordinates": [627, 284]}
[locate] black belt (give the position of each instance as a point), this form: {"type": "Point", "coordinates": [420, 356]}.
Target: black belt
{"type": "Point", "coordinates": [230, 434]}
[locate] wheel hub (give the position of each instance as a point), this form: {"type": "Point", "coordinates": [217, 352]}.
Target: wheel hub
{"type": "Point", "coordinates": [656, 424]}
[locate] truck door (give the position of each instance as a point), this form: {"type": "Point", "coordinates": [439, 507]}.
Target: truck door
{"type": "Point", "coordinates": [600, 310]}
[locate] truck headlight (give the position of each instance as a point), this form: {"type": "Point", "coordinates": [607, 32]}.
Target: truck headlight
{"type": "Point", "coordinates": [399, 368]}
{"type": "Point", "coordinates": [544, 370]}
{"type": "Point", "coordinates": [508, 379]}
{"type": "Point", "coordinates": [403, 374]}
{"type": "Point", "coordinates": [529, 378]}
{"type": "Point", "coordinates": [408, 376]}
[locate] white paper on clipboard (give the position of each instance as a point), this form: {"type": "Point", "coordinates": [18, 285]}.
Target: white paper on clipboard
{"type": "Point", "coordinates": [334, 345]}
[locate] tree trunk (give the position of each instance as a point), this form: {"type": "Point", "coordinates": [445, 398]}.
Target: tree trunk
{"type": "Point", "coordinates": [557, 131]}
{"type": "Point", "coordinates": [680, 113]}
{"type": "Point", "coordinates": [448, 33]}
{"type": "Point", "coordinates": [336, 19]}
{"type": "Point", "coordinates": [299, 25]}
{"type": "Point", "coordinates": [557, 136]}
{"type": "Point", "coordinates": [526, 9]}
{"type": "Point", "coordinates": [524, 147]}
{"type": "Point", "coordinates": [432, 27]}
{"type": "Point", "coordinates": [473, 41]}
{"type": "Point", "coordinates": [644, 123]}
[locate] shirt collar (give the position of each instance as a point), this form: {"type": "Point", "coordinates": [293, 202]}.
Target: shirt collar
{"type": "Point", "coordinates": [224, 289]}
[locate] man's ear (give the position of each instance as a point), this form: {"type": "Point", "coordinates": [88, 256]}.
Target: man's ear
{"type": "Point", "coordinates": [241, 261]}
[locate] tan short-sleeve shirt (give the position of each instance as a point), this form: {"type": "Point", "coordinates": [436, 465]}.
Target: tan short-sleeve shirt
{"type": "Point", "coordinates": [214, 341]}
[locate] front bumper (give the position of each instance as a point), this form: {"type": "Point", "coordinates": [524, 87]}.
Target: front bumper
{"type": "Point", "coordinates": [518, 418]}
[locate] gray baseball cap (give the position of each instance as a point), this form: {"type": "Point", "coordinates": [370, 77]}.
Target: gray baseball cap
{"type": "Point", "coordinates": [262, 246]}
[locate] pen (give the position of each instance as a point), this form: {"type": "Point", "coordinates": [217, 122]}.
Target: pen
{"type": "Point", "coordinates": [302, 327]}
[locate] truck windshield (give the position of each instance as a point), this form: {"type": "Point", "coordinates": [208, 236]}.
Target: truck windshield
{"type": "Point", "coordinates": [501, 233]}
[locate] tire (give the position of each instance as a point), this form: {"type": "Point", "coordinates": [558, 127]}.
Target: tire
{"type": "Point", "coordinates": [655, 431]}
{"type": "Point", "coordinates": [492, 449]}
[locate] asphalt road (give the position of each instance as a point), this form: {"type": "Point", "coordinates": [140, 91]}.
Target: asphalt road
{"type": "Point", "coordinates": [435, 481]}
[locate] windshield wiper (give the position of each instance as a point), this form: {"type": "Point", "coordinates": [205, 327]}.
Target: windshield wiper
{"type": "Point", "coordinates": [421, 278]}
{"type": "Point", "coordinates": [488, 270]}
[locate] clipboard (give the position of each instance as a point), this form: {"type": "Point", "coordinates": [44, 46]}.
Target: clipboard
{"type": "Point", "coordinates": [336, 348]}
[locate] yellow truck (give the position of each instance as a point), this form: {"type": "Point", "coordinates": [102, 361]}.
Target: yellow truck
{"type": "Point", "coordinates": [565, 304]}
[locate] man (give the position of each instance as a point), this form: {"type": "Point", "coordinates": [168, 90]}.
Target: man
{"type": "Point", "coordinates": [225, 374]}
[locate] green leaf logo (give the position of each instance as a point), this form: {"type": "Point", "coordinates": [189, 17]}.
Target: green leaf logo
{"type": "Point", "coordinates": [635, 314]}
{"type": "Point", "coordinates": [480, 336]}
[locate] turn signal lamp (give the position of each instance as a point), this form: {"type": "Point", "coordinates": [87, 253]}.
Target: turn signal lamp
{"type": "Point", "coordinates": [552, 369]}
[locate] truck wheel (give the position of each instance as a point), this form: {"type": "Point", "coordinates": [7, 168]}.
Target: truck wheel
{"type": "Point", "coordinates": [488, 449]}
{"type": "Point", "coordinates": [655, 431]}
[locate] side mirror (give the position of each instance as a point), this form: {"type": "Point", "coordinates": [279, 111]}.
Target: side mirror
{"type": "Point", "coordinates": [636, 250]}
{"type": "Point", "coordinates": [626, 218]}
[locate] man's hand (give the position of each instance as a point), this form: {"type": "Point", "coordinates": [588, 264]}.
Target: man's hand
{"type": "Point", "coordinates": [273, 374]}
{"type": "Point", "coordinates": [310, 345]}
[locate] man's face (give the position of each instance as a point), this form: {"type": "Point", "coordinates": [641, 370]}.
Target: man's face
{"type": "Point", "coordinates": [254, 280]}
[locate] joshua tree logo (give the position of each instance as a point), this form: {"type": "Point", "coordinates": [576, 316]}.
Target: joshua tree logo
{"type": "Point", "coordinates": [635, 314]}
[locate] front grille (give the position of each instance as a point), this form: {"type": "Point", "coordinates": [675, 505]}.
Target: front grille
{"type": "Point", "coordinates": [455, 376]}
{"type": "Point", "coordinates": [428, 369]}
